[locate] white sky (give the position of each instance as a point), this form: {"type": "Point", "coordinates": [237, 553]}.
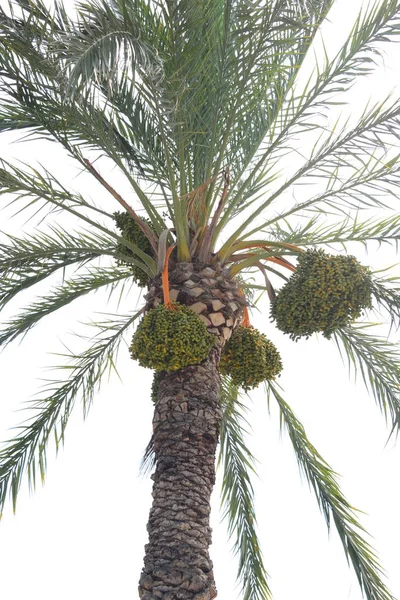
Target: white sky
{"type": "Point", "coordinates": [82, 534]}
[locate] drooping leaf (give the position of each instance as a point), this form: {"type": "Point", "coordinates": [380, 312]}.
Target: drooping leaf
{"type": "Point", "coordinates": [26, 452]}
{"type": "Point", "coordinates": [377, 360]}
{"type": "Point", "coordinates": [333, 505]}
{"type": "Point", "coordinates": [237, 498]}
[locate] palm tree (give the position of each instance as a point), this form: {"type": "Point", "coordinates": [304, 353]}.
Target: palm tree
{"type": "Point", "coordinates": [197, 107]}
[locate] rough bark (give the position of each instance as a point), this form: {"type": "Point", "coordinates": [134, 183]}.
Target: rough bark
{"type": "Point", "coordinates": [187, 418]}
{"type": "Point", "coordinates": [186, 425]}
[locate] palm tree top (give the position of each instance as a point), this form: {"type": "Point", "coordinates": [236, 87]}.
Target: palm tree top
{"type": "Point", "coordinates": [197, 107]}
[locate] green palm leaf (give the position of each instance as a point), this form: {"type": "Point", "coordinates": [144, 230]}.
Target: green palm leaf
{"type": "Point", "coordinates": [88, 280]}
{"type": "Point", "coordinates": [333, 505]}
{"type": "Point", "coordinates": [378, 362]}
{"type": "Point", "coordinates": [35, 187]}
{"type": "Point", "coordinates": [238, 495]}
{"type": "Point", "coordinates": [26, 453]}
{"type": "Point", "coordinates": [308, 232]}
{"type": "Point", "coordinates": [376, 25]}
{"type": "Point", "coordinates": [108, 32]}
{"type": "Point", "coordinates": [31, 259]}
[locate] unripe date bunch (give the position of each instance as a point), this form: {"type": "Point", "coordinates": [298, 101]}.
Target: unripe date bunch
{"type": "Point", "coordinates": [168, 339]}
{"type": "Point", "coordinates": [250, 358]}
{"type": "Point", "coordinates": [131, 231]}
{"type": "Point", "coordinates": [326, 292]}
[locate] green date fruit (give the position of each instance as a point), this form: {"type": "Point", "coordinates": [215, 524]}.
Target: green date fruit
{"type": "Point", "coordinates": [168, 339]}
{"type": "Point", "coordinates": [249, 358]}
{"type": "Point", "coordinates": [131, 231]}
{"type": "Point", "coordinates": [326, 292]}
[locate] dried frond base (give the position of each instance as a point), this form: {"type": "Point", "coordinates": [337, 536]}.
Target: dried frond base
{"type": "Point", "coordinates": [210, 292]}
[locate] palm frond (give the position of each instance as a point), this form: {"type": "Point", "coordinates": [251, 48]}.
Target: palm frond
{"type": "Point", "coordinates": [35, 85]}
{"type": "Point", "coordinates": [34, 187]}
{"type": "Point", "coordinates": [309, 232]}
{"type": "Point", "coordinates": [261, 55]}
{"type": "Point", "coordinates": [106, 35]}
{"type": "Point", "coordinates": [357, 57]}
{"type": "Point", "coordinates": [38, 187]}
{"type": "Point", "coordinates": [88, 280]}
{"type": "Point", "coordinates": [103, 50]}
{"type": "Point", "coordinates": [57, 243]}
{"type": "Point", "coordinates": [379, 23]}
{"type": "Point", "coordinates": [31, 259]}
{"type": "Point", "coordinates": [26, 453]}
{"type": "Point", "coordinates": [386, 292]}
{"type": "Point", "coordinates": [237, 498]}
{"type": "Point", "coordinates": [355, 178]}
{"type": "Point", "coordinates": [289, 28]}
{"type": "Point", "coordinates": [378, 362]}
{"type": "Point", "coordinates": [333, 505]}
{"type": "Point", "coordinates": [180, 44]}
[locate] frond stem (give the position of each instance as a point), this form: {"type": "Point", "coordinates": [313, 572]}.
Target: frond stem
{"type": "Point", "coordinates": [141, 224]}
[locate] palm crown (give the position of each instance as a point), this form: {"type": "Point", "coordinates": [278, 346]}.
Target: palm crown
{"type": "Point", "coordinates": [197, 105]}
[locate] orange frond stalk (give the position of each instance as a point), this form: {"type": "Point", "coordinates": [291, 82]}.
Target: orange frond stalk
{"type": "Point", "coordinates": [246, 318]}
{"type": "Point", "coordinates": [282, 263]}
{"type": "Point", "coordinates": [164, 278]}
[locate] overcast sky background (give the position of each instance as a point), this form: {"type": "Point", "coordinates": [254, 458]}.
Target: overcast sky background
{"type": "Point", "coordinates": [82, 534]}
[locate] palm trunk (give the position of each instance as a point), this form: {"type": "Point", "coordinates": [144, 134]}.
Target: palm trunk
{"type": "Point", "coordinates": [186, 424]}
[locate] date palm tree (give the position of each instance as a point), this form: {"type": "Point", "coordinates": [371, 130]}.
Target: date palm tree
{"type": "Point", "coordinates": [213, 114]}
